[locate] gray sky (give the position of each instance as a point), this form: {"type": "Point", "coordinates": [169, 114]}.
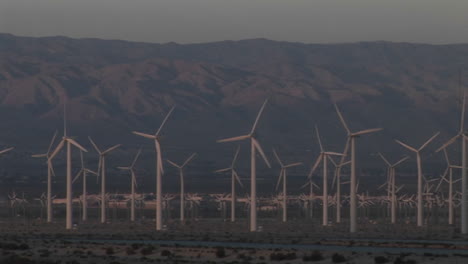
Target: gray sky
{"type": "Point", "coordinates": [188, 21]}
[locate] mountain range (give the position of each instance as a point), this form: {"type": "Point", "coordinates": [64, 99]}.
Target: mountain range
{"type": "Point", "coordinates": [112, 87]}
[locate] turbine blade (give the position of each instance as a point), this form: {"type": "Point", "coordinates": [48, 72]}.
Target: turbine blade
{"type": "Point", "coordinates": [123, 168]}
{"type": "Point", "coordinates": [316, 164]}
{"type": "Point", "coordinates": [51, 166]}
{"type": "Point", "coordinates": [94, 145]}
{"type": "Point", "coordinates": [258, 116]}
{"type": "Point", "coordinates": [448, 143]}
{"type": "Point", "coordinates": [238, 179]}
{"type": "Point", "coordinates": [293, 165]}
{"type": "Point", "coordinates": [159, 156]}
{"type": "Point", "coordinates": [260, 150]}
{"type": "Point", "coordinates": [222, 170]}
{"type": "Point", "coordinates": [333, 153]}
{"type": "Point", "coordinates": [77, 176]}
{"type": "Point", "coordinates": [401, 161]}
{"type": "Point", "coordinates": [332, 160]}
{"type": "Point", "coordinates": [111, 149]}
{"type": "Point", "coordinates": [305, 185]}
{"type": "Point", "coordinates": [366, 131]}
{"type": "Point", "coordinates": [279, 178]}
{"type": "Point", "coordinates": [189, 159]}
{"type": "Point", "coordinates": [52, 142]}
{"type": "Point", "coordinates": [144, 135]}
{"type": "Point", "coordinates": [164, 121]}
{"type": "Point", "coordinates": [136, 158]}
{"type": "Point", "coordinates": [81, 158]}
{"type": "Point", "coordinates": [277, 158]}
{"type": "Point", "coordinates": [73, 142]}
{"type": "Point", "coordinates": [233, 139]}
{"type": "Point", "coordinates": [318, 138]}
{"type": "Point", "coordinates": [235, 157]}
{"type": "Point", "coordinates": [57, 149]}
{"type": "Point", "coordinates": [406, 146]}
{"type": "Point", "coordinates": [384, 159]}
{"type": "Point", "coordinates": [6, 150]}
{"type": "Point", "coordinates": [173, 164]}
{"type": "Point", "coordinates": [342, 120]}
{"type": "Point", "coordinates": [39, 155]}
{"type": "Point", "coordinates": [428, 141]}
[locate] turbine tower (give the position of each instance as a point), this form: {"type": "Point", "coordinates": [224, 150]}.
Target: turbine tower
{"type": "Point", "coordinates": [352, 193]}
{"type": "Point", "coordinates": [102, 173]}
{"type": "Point", "coordinates": [420, 176]}
{"type": "Point", "coordinates": [181, 173]}
{"type": "Point", "coordinates": [254, 146]}
{"type": "Point", "coordinates": [234, 178]}
{"type": "Point", "coordinates": [69, 142]}
{"type": "Point", "coordinates": [391, 184]}
{"type": "Point", "coordinates": [323, 157]}
{"type": "Point", "coordinates": [50, 172]}
{"type": "Point", "coordinates": [84, 172]}
{"type": "Point", "coordinates": [464, 180]}
{"type": "Point", "coordinates": [159, 169]}
{"type": "Point", "coordinates": [133, 185]}
{"type": "Point", "coordinates": [283, 177]}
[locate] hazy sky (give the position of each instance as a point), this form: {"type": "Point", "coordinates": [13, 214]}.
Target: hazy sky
{"type": "Point", "coordinates": [187, 21]}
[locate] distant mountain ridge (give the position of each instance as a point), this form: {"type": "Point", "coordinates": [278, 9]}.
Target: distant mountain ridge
{"type": "Point", "coordinates": [117, 86]}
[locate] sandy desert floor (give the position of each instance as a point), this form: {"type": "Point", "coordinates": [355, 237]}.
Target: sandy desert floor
{"type": "Point", "coordinates": [217, 241]}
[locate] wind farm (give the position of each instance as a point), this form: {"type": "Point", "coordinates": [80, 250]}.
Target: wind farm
{"type": "Point", "coordinates": [306, 174]}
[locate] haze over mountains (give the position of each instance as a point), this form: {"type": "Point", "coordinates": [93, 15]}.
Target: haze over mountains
{"type": "Point", "coordinates": [114, 87]}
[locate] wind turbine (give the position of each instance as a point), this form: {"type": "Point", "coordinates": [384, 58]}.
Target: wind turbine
{"type": "Point", "coordinates": [450, 181]}
{"type": "Point", "coordinates": [50, 172]}
{"type": "Point", "coordinates": [102, 173]}
{"type": "Point", "coordinates": [464, 180]}
{"type": "Point", "coordinates": [391, 187]}
{"type": "Point", "coordinates": [159, 169]}
{"type": "Point", "coordinates": [337, 179]}
{"type": "Point", "coordinates": [133, 185]}
{"type": "Point", "coordinates": [69, 142]}
{"type": "Point", "coordinates": [420, 176]}
{"type": "Point", "coordinates": [181, 173]}
{"type": "Point", "coordinates": [323, 157]}
{"type": "Point", "coordinates": [352, 193]}
{"type": "Point", "coordinates": [254, 146]}
{"type": "Point", "coordinates": [283, 177]}
{"type": "Point", "coordinates": [234, 178]}
{"type": "Point", "coordinates": [84, 172]}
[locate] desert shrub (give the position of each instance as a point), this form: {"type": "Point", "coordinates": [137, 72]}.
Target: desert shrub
{"type": "Point", "coordinates": [130, 251]}
{"type": "Point", "coordinates": [338, 258]}
{"type": "Point", "coordinates": [166, 253]}
{"type": "Point", "coordinates": [146, 251]}
{"type": "Point", "coordinates": [282, 256]}
{"type": "Point", "coordinates": [15, 259]}
{"type": "Point", "coordinates": [314, 256]}
{"type": "Point", "coordinates": [220, 252]}
{"type": "Point", "coordinates": [110, 251]}
{"type": "Point", "coordinates": [380, 260]}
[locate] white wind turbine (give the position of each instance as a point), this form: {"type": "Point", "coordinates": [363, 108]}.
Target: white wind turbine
{"type": "Point", "coordinates": [391, 187]}
{"type": "Point", "coordinates": [450, 181]}
{"type": "Point", "coordinates": [133, 185]}
{"type": "Point", "coordinates": [159, 169]}
{"type": "Point", "coordinates": [464, 180]}
{"type": "Point", "coordinates": [323, 157]}
{"type": "Point", "coordinates": [84, 172]}
{"type": "Point", "coordinates": [234, 178]}
{"type": "Point", "coordinates": [337, 179]}
{"type": "Point", "coordinates": [352, 193]}
{"type": "Point", "coordinates": [50, 172]}
{"type": "Point", "coordinates": [283, 177]}
{"type": "Point", "coordinates": [254, 146]}
{"type": "Point", "coordinates": [69, 142]}
{"type": "Point", "coordinates": [182, 185]}
{"type": "Point", "coordinates": [102, 173]}
{"type": "Point", "coordinates": [420, 175]}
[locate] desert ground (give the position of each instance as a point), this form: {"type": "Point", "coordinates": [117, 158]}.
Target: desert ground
{"type": "Point", "coordinates": [214, 240]}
